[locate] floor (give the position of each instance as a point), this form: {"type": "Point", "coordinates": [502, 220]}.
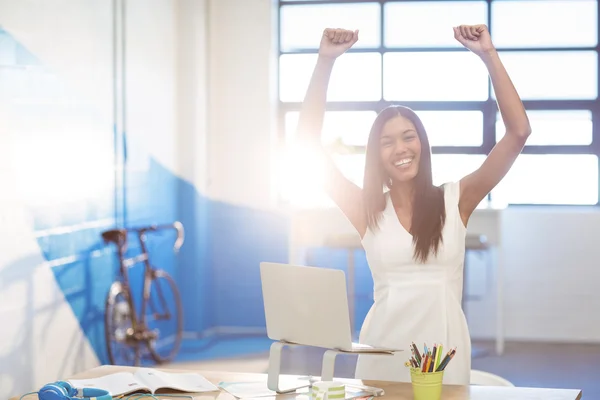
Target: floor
{"type": "Point", "coordinates": [525, 364]}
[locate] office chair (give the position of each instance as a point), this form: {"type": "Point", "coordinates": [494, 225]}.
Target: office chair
{"type": "Point", "coordinates": [482, 378]}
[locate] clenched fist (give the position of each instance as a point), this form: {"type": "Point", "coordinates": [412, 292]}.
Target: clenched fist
{"type": "Point", "coordinates": [335, 42]}
{"type": "Point", "coordinates": [475, 38]}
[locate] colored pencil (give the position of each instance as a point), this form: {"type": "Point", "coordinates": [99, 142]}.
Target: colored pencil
{"type": "Point", "coordinates": [432, 359]}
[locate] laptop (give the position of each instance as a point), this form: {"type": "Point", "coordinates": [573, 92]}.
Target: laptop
{"type": "Point", "coordinates": [309, 306]}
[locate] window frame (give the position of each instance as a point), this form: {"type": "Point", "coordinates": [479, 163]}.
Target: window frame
{"type": "Point", "coordinates": [487, 107]}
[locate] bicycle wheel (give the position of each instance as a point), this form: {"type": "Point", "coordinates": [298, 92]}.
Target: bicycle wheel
{"type": "Point", "coordinates": [164, 316]}
{"type": "Point", "coordinates": [118, 328]}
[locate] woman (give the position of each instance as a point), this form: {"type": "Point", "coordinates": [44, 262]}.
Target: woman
{"type": "Point", "coordinates": [413, 232]}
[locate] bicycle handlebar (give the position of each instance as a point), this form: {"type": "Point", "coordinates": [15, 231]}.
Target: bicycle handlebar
{"type": "Point", "coordinates": [178, 226]}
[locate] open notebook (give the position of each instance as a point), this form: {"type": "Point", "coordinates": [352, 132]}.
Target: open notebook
{"type": "Point", "coordinates": [147, 380]}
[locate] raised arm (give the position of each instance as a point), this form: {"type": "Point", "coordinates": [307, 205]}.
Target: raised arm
{"type": "Point", "coordinates": [475, 186]}
{"type": "Point", "coordinates": [342, 191]}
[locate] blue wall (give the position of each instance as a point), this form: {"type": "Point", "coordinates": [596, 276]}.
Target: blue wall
{"type": "Point", "coordinates": [241, 239]}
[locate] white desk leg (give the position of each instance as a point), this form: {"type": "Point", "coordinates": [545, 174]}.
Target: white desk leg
{"type": "Point", "coordinates": [499, 302]}
{"type": "Point", "coordinates": [275, 369]}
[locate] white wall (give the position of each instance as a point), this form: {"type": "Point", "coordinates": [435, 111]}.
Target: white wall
{"type": "Point", "coordinates": [192, 87]}
{"type": "Point", "coordinates": [550, 274]}
{"type": "Point", "coordinates": [551, 256]}
{"type": "Point", "coordinates": [166, 93]}
{"type": "Point", "coordinates": [151, 82]}
{"type": "Point", "coordinates": [242, 99]}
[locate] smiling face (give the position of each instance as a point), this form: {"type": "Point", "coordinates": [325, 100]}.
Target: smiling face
{"type": "Point", "coordinates": [400, 149]}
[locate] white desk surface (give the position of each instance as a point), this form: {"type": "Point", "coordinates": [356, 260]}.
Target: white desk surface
{"type": "Point", "coordinates": [396, 391]}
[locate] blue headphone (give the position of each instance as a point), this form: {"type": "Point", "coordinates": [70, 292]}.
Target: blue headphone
{"type": "Point", "coordinates": [64, 391]}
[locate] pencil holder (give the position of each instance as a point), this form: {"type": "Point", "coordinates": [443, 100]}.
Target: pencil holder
{"type": "Point", "coordinates": [426, 385]}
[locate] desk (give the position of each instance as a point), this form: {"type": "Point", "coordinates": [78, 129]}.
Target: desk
{"type": "Point", "coordinates": [396, 391]}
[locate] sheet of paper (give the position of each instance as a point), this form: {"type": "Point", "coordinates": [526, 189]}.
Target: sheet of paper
{"type": "Point", "coordinates": [187, 382]}
{"type": "Point", "coordinates": [116, 384]}
{"type": "Point", "coordinates": [247, 390]}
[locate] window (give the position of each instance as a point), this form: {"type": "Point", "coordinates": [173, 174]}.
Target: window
{"type": "Point", "coordinates": [553, 75]}
{"type": "Point", "coordinates": [303, 25]}
{"type": "Point", "coordinates": [555, 127]}
{"type": "Point", "coordinates": [550, 179]}
{"type": "Point", "coordinates": [350, 128]}
{"type": "Point", "coordinates": [453, 128]}
{"type": "Point", "coordinates": [353, 166]}
{"type": "Point", "coordinates": [539, 20]}
{"type": "Point", "coordinates": [295, 71]}
{"type": "Point", "coordinates": [404, 22]}
{"type": "Point", "coordinates": [407, 55]}
{"type": "Point", "coordinates": [424, 76]}
{"type": "Point", "coordinates": [453, 167]}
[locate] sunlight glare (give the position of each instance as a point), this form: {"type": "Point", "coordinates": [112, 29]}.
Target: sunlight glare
{"type": "Point", "coordinates": [301, 176]}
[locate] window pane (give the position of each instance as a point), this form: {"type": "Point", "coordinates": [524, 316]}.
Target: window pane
{"type": "Point", "coordinates": [555, 127]}
{"type": "Point", "coordinates": [550, 179]}
{"type": "Point", "coordinates": [350, 127]}
{"type": "Point", "coordinates": [453, 128]}
{"type": "Point", "coordinates": [301, 26]}
{"type": "Point", "coordinates": [356, 77]}
{"type": "Point", "coordinates": [352, 166]}
{"type": "Point", "coordinates": [577, 20]}
{"type": "Point", "coordinates": [404, 22]}
{"type": "Point", "coordinates": [552, 75]}
{"type": "Point", "coordinates": [453, 167]}
{"type": "Point", "coordinates": [438, 76]}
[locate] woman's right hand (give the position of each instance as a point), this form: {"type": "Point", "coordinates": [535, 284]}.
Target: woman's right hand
{"type": "Point", "coordinates": [335, 42]}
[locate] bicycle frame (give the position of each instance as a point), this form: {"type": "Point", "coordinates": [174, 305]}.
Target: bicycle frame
{"type": "Point", "coordinates": [139, 324]}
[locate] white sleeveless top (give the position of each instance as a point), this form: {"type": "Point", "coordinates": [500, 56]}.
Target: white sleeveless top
{"type": "Point", "coordinates": [418, 303]}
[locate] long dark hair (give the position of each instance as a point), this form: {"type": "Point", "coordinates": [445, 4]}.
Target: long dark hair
{"type": "Point", "coordinates": [428, 209]}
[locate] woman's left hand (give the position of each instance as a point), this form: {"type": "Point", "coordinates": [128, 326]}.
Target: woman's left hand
{"type": "Point", "coordinates": [475, 38]}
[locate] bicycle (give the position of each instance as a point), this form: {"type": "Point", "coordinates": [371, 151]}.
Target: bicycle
{"type": "Point", "coordinates": [122, 322]}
